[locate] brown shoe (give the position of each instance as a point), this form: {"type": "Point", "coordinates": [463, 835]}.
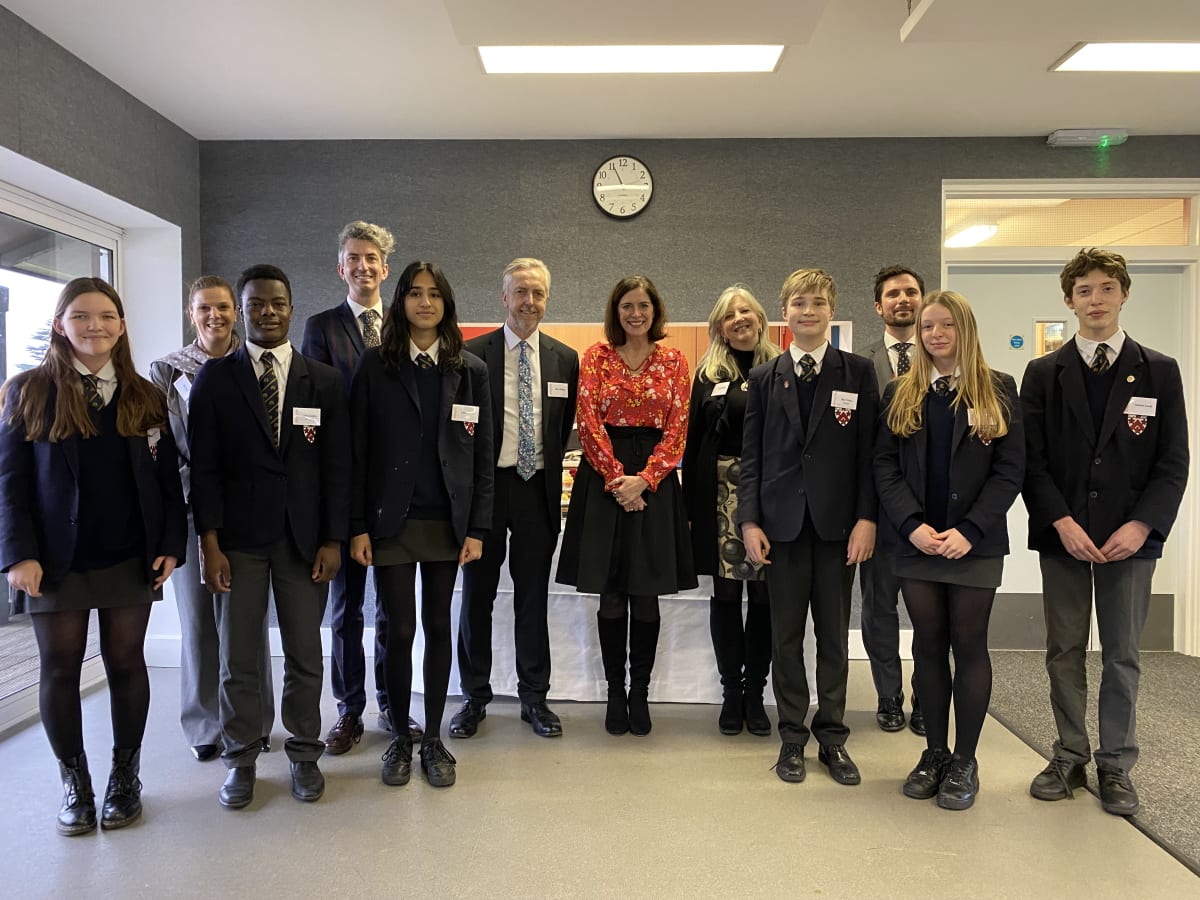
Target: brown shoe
{"type": "Point", "coordinates": [345, 733]}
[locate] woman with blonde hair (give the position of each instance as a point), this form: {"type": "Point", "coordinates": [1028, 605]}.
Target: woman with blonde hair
{"type": "Point", "coordinates": [949, 464]}
{"type": "Point", "coordinates": [738, 340]}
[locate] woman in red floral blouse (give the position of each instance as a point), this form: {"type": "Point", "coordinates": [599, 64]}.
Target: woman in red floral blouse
{"type": "Point", "coordinates": [626, 537]}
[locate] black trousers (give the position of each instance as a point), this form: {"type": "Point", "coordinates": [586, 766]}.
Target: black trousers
{"type": "Point", "coordinates": [520, 511]}
{"type": "Point", "coordinates": [809, 573]}
{"type": "Point", "coordinates": [347, 658]}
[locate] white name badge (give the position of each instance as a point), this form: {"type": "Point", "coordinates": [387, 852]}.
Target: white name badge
{"type": "Point", "coordinates": [183, 387]}
{"type": "Point", "coordinates": [305, 415]}
{"type": "Point", "coordinates": [460, 412]}
{"type": "Point", "coordinates": [1142, 406]}
{"type": "Point", "coordinates": [844, 400]}
{"type": "Point", "coordinates": [720, 389]}
{"type": "Point", "coordinates": [554, 389]}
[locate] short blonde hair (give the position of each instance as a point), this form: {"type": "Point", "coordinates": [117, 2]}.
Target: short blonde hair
{"type": "Point", "coordinates": [807, 281]}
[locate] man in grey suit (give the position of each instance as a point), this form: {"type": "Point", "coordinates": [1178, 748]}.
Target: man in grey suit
{"type": "Point", "coordinates": [533, 381]}
{"type": "Point", "coordinates": [898, 292]}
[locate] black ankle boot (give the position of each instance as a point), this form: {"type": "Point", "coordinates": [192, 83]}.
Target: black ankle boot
{"type": "Point", "coordinates": [725, 626]}
{"type": "Point", "coordinates": [78, 813]}
{"type": "Point", "coordinates": [612, 634]}
{"type": "Point", "coordinates": [758, 664]}
{"type": "Point", "coordinates": [123, 797]}
{"type": "Point", "coordinates": [643, 644]}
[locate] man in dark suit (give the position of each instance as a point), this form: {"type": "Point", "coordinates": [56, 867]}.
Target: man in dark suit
{"type": "Point", "coordinates": [533, 381]}
{"type": "Point", "coordinates": [1106, 467]}
{"type": "Point", "coordinates": [270, 441]}
{"type": "Point", "coordinates": [898, 293]}
{"type": "Point", "coordinates": [807, 510]}
{"type": "Point", "coordinates": [338, 337]}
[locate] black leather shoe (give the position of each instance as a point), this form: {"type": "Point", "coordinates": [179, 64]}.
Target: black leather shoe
{"type": "Point", "coordinates": [790, 765]}
{"type": "Point", "coordinates": [205, 752]}
{"type": "Point", "coordinates": [916, 719]}
{"type": "Point", "coordinates": [238, 789]}
{"type": "Point", "coordinates": [397, 762]}
{"type": "Point", "coordinates": [345, 733]}
{"type": "Point", "coordinates": [889, 715]}
{"type": "Point", "coordinates": [1058, 780]}
{"type": "Point", "coordinates": [733, 711]}
{"type": "Point", "coordinates": [757, 721]}
{"type": "Point", "coordinates": [544, 721]}
{"type": "Point", "coordinates": [1118, 796]}
{"type": "Point", "coordinates": [841, 767]}
{"type": "Point", "coordinates": [437, 763]}
{"type": "Point", "coordinates": [78, 813]}
{"type": "Point", "coordinates": [960, 784]}
{"type": "Point", "coordinates": [123, 796]}
{"type": "Point", "coordinates": [923, 781]}
{"type": "Point", "coordinates": [308, 784]}
{"type": "Point", "coordinates": [265, 746]}
{"type": "Point", "coordinates": [465, 722]}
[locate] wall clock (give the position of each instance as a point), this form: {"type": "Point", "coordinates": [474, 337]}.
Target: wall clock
{"type": "Point", "coordinates": [622, 186]}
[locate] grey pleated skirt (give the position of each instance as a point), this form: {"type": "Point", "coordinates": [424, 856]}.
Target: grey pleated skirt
{"type": "Point", "coordinates": [124, 584]}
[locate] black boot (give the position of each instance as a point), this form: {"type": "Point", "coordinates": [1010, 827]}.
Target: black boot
{"type": "Point", "coordinates": [725, 625]}
{"type": "Point", "coordinates": [612, 653]}
{"type": "Point", "coordinates": [758, 663]}
{"type": "Point", "coordinates": [643, 644]}
{"type": "Point", "coordinates": [123, 797]}
{"type": "Point", "coordinates": [78, 813]}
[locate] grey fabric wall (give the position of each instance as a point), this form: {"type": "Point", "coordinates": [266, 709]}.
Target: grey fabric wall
{"type": "Point", "coordinates": [723, 210]}
{"type": "Point", "coordinates": [60, 112]}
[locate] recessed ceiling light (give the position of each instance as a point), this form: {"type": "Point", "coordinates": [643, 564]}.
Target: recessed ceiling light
{"type": "Point", "coordinates": [1150, 57]}
{"type": "Point", "coordinates": [972, 235]}
{"type": "Point", "coordinates": [630, 59]}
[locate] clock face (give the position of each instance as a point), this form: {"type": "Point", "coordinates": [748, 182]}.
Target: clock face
{"type": "Point", "coordinates": [622, 186]}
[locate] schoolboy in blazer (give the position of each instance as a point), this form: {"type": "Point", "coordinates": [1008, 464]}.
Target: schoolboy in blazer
{"type": "Point", "coordinates": [807, 510]}
{"type": "Point", "coordinates": [527, 505]}
{"type": "Point", "coordinates": [1107, 466]}
{"type": "Point", "coordinates": [270, 498]}
{"type": "Point", "coordinates": [338, 337]}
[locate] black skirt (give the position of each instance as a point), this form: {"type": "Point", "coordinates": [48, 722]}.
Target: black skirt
{"type": "Point", "coordinates": [607, 550]}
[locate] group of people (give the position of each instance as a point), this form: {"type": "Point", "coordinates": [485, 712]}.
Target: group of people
{"type": "Point", "coordinates": [245, 468]}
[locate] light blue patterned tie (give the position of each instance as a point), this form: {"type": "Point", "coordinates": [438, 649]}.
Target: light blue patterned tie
{"type": "Point", "coordinates": [526, 449]}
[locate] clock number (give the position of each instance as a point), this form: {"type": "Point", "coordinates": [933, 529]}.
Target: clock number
{"type": "Point", "coordinates": [623, 163]}
{"type": "Point", "coordinates": [622, 210]}
{"type": "Point", "coordinates": [601, 198]}
{"type": "Point", "coordinates": [610, 206]}
{"type": "Point", "coordinates": [603, 174]}
{"type": "Point", "coordinates": [643, 198]}
{"type": "Point", "coordinates": [632, 207]}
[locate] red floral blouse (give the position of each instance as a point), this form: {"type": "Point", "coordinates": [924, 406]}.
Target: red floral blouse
{"type": "Point", "coordinates": [655, 397]}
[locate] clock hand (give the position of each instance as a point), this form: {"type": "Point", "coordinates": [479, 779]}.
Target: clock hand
{"type": "Point", "coordinates": [618, 174]}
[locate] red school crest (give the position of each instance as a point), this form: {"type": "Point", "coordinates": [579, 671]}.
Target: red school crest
{"type": "Point", "coordinates": [310, 433]}
{"type": "Point", "coordinates": [470, 426]}
{"type": "Point", "coordinates": [843, 416]}
{"type": "Point", "coordinates": [1137, 424]}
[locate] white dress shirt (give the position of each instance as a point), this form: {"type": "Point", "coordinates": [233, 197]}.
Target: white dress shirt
{"type": "Point", "coordinates": [106, 378]}
{"type": "Point", "coordinates": [357, 310]}
{"type": "Point", "coordinates": [1087, 348]}
{"type": "Point", "coordinates": [282, 365]}
{"type": "Point", "coordinates": [818, 356]}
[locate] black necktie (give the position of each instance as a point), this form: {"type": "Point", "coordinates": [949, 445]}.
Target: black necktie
{"type": "Point", "coordinates": [268, 383]}
{"type": "Point", "coordinates": [808, 369]}
{"type": "Point", "coordinates": [941, 387]}
{"type": "Point", "coordinates": [1100, 361]}
{"type": "Point", "coordinates": [91, 392]}
{"type": "Point", "coordinates": [903, 362]}
{"type": "Point", "coordinates": [424, 361]}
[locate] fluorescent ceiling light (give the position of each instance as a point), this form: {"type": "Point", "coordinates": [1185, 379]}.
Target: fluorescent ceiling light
{"type": "Point", "coordinates": [1150, 57]}
{"type": "Point", "coordinates": [630, 59]}
{"type": "Point", "coordinates": [970, 236]}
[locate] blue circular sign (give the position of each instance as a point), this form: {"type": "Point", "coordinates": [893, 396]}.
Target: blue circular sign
{"type": "Point", "coordinates": [1016, 342]}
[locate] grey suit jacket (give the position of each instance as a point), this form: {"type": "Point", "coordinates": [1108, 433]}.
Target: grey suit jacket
{"type": "Point", "coordinates": [878, 355]}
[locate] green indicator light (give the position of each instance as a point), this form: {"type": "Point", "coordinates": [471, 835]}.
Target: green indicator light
{"type": "Point", "coordinates": [1104, 142]}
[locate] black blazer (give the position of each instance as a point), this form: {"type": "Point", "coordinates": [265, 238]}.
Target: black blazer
{"type": "Point", "coordinates": [247, 489]}
{"type": "Point", "coordinates": [984, 479]}
{"type": "Point", "coordinates": [558, 363]}
{"type": "Point", "coordinates": [825, 471]}
{"type": "Point", "coordinates": [39, 498]}
{"type": "Point", "coordinates": [385, 411]}
{"type": "Point", "coordinates": [332, 337]}
{"type": "Point", "coordinates": [1120, 476]}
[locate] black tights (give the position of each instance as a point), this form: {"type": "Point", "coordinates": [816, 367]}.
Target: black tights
{"type": "Point", "coordinates": [396, 590]}
{"type": "Point", "coordinates": [62, 641]}
{"type": "Point", "coordinates": [644, 608]}
{"type": "Point", "coordinates": [949, 617]}
{"type": "Point", "coordinates": [729, 590]}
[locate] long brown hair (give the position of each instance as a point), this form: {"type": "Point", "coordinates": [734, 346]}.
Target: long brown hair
{"type": "Point", "coordinates": [977, 385]}
{"type": "Point", "coordinates": [26, 397]}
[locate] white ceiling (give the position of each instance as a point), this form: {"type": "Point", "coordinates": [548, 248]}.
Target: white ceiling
{"type": "Point", "coordinates": [245, 69]}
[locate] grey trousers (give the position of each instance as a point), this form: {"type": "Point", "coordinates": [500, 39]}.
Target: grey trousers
{"type": "Point", "coordinates": [241, 614]}
{"type": "Point", "coordinates": [881, 623]}
{"type": "Point", "coordinates": [200, 658]}
{"type": "Point", "coordinates": [1122, 592]}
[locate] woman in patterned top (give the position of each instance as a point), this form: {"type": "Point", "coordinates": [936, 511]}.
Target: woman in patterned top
{"type": "Point", "coordinates": [626, 537]}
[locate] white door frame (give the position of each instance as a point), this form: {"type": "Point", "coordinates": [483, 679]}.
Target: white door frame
{"type": "Point", "coordinates": [1187, 527]}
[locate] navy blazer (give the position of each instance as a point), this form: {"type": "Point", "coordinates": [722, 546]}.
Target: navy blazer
{"type": "Point", "coordinates": [251, 492]}
{"type": "Point", "coordinates": [385, 411]}
{"type": "Point", "coordinates": [824, 470]}
{"type": "Point", "coordinates": [332, 337]}
{"type": "Point", "coordinates": [1122, 475]}
{"type": "Point", "coordinates": [39, 498]}
{"type": "Point", "coordinates": [984, 479]}
{"type": "Point", "coordinates": [558, 363]}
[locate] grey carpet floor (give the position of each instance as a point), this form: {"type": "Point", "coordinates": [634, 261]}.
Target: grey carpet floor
{"type": "Point", "coordinates": [1167, 775]}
